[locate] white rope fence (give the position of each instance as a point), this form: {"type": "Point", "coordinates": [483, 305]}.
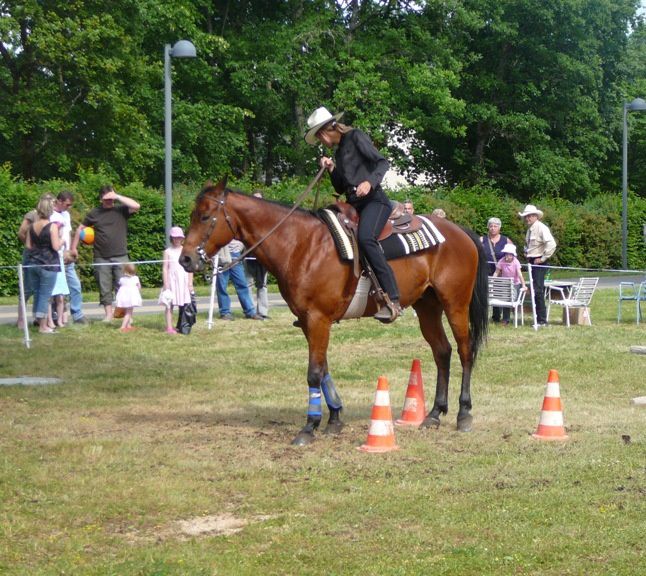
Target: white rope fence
{"type": "Point", "coordinates": [20, 268]}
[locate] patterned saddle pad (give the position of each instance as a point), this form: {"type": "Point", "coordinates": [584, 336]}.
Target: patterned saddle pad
{"type": "Point", "coordinates": [397, 245]}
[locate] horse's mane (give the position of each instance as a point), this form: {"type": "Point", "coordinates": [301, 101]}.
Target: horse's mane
{"type": "Point", "coordinates": [210, 187]}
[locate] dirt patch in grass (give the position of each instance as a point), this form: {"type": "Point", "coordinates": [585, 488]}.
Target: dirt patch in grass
{"type": "Point", "coordinates": [224, 524]}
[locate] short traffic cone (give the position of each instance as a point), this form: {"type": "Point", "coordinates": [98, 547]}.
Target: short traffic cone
{"type": "Point", "coordinates": [381, 435]}
{"type": "Point", "coordinates": [414, 410]}
{"type": "Point", "coordinates": [550, 425]}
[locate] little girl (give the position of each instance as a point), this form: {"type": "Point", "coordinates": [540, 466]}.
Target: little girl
{"type": "Point", "coordinates": [509, 267]}
{"type": "Point", "coordinates": [128, 295]}
{"type": "Point", "coordinates": [178, 284]}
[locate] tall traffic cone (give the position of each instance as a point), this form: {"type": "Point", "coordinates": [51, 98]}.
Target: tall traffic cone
{"type": "Point", "coordinates": [381, 435]}
{"type": "Point", "coordinates": [414, 410]}
{"type": "Point", "coordinates": [550, 426]}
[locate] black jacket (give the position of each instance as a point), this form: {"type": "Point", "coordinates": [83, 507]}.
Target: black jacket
{"type": "Point", "coordinates": [358, 160]}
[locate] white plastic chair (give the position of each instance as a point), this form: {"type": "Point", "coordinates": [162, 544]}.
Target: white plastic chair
{"type": "Point", "coordinates": [502, 295]}
{"type": "Point", "coordinates": [579, 297]}
{"type": "Point", "coordinates": [630, 292]}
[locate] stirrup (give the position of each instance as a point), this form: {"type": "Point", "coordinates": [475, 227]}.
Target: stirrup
{"type": "Point", "coordinates": [389, 312]}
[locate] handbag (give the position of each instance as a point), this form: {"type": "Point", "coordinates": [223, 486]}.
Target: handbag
{"type": "Point", "coordinates": [187, 316]}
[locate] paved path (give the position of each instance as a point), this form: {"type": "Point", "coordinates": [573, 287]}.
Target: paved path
{"type": "Point", "coordinates": [94, 311]}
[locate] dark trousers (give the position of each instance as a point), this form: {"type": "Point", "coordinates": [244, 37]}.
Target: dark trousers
{"type": "Point", "coordinates": [373, 218]}
{"type": "Point", "coordinates": [538, 283]}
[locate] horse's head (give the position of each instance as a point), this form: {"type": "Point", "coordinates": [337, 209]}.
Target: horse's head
{"type": "Point", "coordinates": [210, 227]}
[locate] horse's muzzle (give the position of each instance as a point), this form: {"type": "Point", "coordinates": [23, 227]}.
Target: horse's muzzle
{"type": "Point", "coordinates": [189, 263]}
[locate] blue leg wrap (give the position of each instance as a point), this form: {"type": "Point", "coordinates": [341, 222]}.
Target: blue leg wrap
{"type": "Point", "coordinates": [332, 398]}
{"type": "Point", "coordinates": [314, 407]}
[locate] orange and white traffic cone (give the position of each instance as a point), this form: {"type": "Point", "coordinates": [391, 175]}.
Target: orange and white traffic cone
{"type": "Point", "coordinates": [550, 425]}
{"type": "Point", "coordinates": [381, 435]}
{"type": "Point", "coordinates": [414, 410]}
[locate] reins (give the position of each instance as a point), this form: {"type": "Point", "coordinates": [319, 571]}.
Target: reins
{"type": "Point", "coordinates": [235, 261]}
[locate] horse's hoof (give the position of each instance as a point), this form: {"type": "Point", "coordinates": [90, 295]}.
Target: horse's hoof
{"type": "Point", "coordinates": [334, 428]}
{"type": "Point", "coordinates": [430, 422]}
{"type": "Point", "coordinates": [465, 423]}
{"type": "Point", "coordinates": [303, 439]}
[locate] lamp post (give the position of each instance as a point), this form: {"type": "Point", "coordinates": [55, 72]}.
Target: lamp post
{"type": "Point", "coordinates": [637, 104]}
{"type": "Point", "coordinates": [181, 49]}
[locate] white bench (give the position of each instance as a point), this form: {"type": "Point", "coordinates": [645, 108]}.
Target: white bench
{"type": "Point", "coordinates": [502, 295]}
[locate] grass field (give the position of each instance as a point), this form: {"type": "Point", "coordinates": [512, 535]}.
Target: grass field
{"type": "Point", "coordinates": [161, 455]}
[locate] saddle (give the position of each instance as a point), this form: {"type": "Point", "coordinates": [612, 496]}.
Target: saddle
{"type": "Point", "coordinates": [402, 235]}
{"type": "Point", "coordinates": [398, 222]}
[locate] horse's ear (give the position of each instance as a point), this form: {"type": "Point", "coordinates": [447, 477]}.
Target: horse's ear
{"type": "Point", "coordinates": [219, 187]}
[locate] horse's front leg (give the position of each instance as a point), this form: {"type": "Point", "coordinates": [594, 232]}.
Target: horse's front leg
{"type": "Point", "coordinates": [319, 383]}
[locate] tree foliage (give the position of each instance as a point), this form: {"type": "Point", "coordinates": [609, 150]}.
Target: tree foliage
{"type": "Point", "coordinates": [523, 95]}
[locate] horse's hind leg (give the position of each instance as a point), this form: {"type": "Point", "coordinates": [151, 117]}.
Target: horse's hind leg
{"type": "Point", "coordinates": [429, 314]}
{"type": "Point", "coordinates": [460, 327]}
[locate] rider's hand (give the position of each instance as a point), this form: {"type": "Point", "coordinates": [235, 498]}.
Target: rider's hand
{"type": "Point", "coordinates": [327, 163]}
{"type": "Point", "coordinates": [363, 188]}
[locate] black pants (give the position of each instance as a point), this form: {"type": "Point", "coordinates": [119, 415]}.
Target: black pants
{"type": "Point", "coordinates": [373, 218]}
{"type": "Point", "coordinates": [538, 283]}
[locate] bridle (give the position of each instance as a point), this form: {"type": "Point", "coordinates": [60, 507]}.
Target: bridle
{"type": "Point", "coordinates": [221, 205]}
{"type": "Point", "coordinates": [220, 201]}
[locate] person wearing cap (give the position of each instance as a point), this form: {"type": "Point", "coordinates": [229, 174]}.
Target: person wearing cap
{"type": "Point", "coordinates": [110, 248]}
{"type": "Point", "coordinates": [356, 172]}
{"type": "Point", "coordinates": [177, 283]}
{"type": "Point", "coordinates": [509, 267]}
{"type": "Point", "coordinates": [493, 244]}
{"type": "Point", "coordinates": [539, 247]}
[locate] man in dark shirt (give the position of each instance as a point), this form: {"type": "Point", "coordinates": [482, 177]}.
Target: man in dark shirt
{"type": "Point", "coordinates": [110, 223]}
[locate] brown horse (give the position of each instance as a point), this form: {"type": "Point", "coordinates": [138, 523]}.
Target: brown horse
{"type": "Point", "coordinates": [318, 287]}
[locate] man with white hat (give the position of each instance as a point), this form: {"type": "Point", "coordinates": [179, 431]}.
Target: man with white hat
{"type": "Point", "coordinates": [539, 247]}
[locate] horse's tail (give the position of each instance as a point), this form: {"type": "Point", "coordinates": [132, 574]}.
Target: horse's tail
{"type": "Point", "coordinates": [479, 306]}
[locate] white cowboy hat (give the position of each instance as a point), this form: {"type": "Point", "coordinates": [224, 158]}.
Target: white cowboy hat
{"type": "Point", "coordinates": [531, 209]}
{"type": "Point", "coordinates": [319, 118]}
{"type": "Point", "coordinates": [509, 249]}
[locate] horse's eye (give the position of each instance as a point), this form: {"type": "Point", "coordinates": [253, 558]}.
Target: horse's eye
{"type": "Point", "coordinates": [205, 218]}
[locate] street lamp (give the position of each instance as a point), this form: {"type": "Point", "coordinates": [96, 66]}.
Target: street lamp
{"type": "Point", "coordinates": [638, 104]}
{"type": "Point", "coordinates": [182, 49]}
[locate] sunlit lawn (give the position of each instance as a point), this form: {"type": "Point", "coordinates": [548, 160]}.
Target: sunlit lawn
{"type": "Point", "coordinates": [171, 455]}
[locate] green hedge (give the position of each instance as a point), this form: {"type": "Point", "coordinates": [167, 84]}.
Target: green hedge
{"type": "Point", "coordinates": [588, 235]}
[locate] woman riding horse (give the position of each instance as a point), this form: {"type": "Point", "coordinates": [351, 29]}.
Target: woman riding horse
{"type": "Point", "coordinates": [356, 172]}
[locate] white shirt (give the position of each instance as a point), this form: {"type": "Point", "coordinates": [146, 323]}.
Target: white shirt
{"type": "Point", "coordinates": [539, 242]}
{"type": "Point", "coordinates": [66, 230]}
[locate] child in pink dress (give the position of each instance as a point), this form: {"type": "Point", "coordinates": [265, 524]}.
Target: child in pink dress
{"type": "Point", "coordinates": [509, 267]}
{"type": "Point", "coordinates": [178, 283]}
{"type": "Point", "coordinates": [128, 295]}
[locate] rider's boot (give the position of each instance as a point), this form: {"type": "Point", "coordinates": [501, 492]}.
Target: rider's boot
{"type": "Point", "coordinates": [389, 312]}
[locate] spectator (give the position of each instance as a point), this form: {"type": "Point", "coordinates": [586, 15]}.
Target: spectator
{"type": "Point", "coordinates": [509, 267]}
{"type": "Point", "coordinates": [177, 282]}
{"type": "Point", "coordinates": [231, 252]}
{"type": "Point", "coordinates": [493, 244]}
{"type": "Point", "coordinates": [408, 207]}
{"type": "Point", "coordinates": [28, 219]}
{"type": "Point", "coordinates": [539, 247]}
{"type": "Point", "coordinates": [128, 295]}
{"type": "Point", "coordinates": [258, 275]}
{"type": "Point", "coordinates": [62, 205]}
{"type": "Point", "coordinates": [439, 213]}
{"type": "Point", "coordinates": [110, 223]}
{"type": "Point", "coordinates": [356, 172]}
{"type": "Point", "coordinates": [43, 242]}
